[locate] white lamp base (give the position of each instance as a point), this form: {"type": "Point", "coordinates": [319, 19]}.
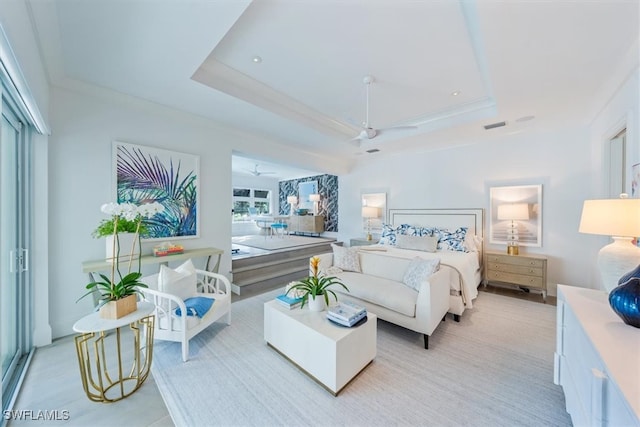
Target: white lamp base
{"type": "Point", "coordinates": [616, 259]}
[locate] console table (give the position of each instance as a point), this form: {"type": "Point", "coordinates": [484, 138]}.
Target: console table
{"type": "Point", "coordinates": [311, 224]}
{"type": "Point", "coordinates": [596, 360]}
{"type": "Point", "coordinates": [92, 267]}
{"type": "Point", "coordinates": [103, 265]}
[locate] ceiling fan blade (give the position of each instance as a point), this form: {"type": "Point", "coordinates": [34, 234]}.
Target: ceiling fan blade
{"type": "Point", "coordinates": [396, 129]}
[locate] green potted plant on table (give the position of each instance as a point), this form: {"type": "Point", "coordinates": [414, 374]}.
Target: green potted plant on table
{"type": "Point", "coordinates": [315, 288]}
{"type": "Point", "coordinates": [117, 292]}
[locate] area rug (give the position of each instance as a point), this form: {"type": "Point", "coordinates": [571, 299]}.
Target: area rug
{"type": "Point", "coordinates": [278, 242]}
{"type": "Point", "coordinates": [493, 368]}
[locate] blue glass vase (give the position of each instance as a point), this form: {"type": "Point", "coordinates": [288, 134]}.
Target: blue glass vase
{"type": "Point", "coordinates": [625, 301]}
{"type": "Point", "coordinates": [633, 273]}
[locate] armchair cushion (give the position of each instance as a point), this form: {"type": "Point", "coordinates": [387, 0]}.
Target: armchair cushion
{"type": "Point", "coordinates": [181, 282]}
{"type": "Point", "coordinates": [196, 306]}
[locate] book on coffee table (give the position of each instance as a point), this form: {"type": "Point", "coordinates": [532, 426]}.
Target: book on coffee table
{"type": "Point", "coordinates": [289, 302]}
{"type": "Point", "coordinates": [347, 312]}
{"type": "Point", "coordinates": [361, 317]}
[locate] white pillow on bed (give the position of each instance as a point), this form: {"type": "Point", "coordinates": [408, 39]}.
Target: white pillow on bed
{"type": "Point", "coordinates": [471, 242]}
{"type": "Point", "coordinates": [418, 270]}
{"type": "Point", "coordinates": [418, 243]}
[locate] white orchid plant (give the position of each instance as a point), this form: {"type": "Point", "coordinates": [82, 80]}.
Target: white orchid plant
{"type": "Point", "coordinates": [124, 217]}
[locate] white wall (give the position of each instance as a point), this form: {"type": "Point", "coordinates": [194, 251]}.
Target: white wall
{"type": "Point", "coordinates": [461, 178]}
{"type": "Point", "coordinates": [85, 124]}
{"type": "Point", "coordinates": [622, 110]}
{"type": "Point", "coordinates": [569, 164]}
{"type": "Point", "coordinates": [16, 23]}
{"type": "Point", "coordinates": [80, 175]}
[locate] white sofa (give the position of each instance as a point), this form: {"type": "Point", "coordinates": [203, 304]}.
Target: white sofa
{"type": "Point", "coordinates": [380, 288]}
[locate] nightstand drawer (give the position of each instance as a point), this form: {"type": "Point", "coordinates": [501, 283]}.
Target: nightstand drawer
{"type": "Point", "coordinates": [515, 260]}
{"type": "Point", "coordinates": [518, 279]}
{"type": "Point", "coordinates": [517, 269]}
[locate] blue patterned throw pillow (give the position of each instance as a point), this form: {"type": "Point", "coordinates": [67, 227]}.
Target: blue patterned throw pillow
{"type": "Point", "coordinates": [419, 270]}
{"type": "Point", "coordinates": [388, 236]}
{"type": "Point", "coordinates": [451, 240]}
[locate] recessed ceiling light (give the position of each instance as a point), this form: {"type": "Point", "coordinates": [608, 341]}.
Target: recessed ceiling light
{"type": "Point", "coordinates": [455, 93]}
{"type": "Point", "coordinates": [257, 59]}
{"type": "Point", "coordinates": [525, 118]}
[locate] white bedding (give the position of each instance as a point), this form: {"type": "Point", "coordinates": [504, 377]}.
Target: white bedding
{"type": "Point", "coordinates": [466, 263]}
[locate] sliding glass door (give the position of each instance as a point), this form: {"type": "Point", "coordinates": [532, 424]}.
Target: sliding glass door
{"type": "Point", "coordinates": [14, 338]}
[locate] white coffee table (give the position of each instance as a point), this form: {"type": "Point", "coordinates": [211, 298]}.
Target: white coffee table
{"type": "Point", "coordinates": [332, 355]}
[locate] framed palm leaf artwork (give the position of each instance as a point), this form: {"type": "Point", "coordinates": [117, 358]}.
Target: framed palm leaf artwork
{"type": "Point", "coordinates": [147, 174]}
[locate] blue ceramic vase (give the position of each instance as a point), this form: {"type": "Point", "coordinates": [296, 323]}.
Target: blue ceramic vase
{"type": "Point", "coordinates": [633, 273]}
{"type": "Point", "coordinates": [625, 301]}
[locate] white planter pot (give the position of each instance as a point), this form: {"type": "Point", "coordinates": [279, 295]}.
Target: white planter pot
{"type": "Point", "coordinates": [317, 304]}
{"type": "Point", "coordinates": [127, 242]}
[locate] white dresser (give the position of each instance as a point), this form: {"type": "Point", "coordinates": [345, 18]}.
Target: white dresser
{"type": "Point", "coordinates": [597, 360]}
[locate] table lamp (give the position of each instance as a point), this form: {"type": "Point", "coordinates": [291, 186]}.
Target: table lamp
{"type": "Point", "coordinates": [369, 212]}
{"type": "Point", "coordinates": [293, 201]}
{"type": "Point", "coordinates": [620, 219]}
{"type": "Point", "coordinates": [315, 198]}
{"type": "Point", "coordinates": [513, 212]}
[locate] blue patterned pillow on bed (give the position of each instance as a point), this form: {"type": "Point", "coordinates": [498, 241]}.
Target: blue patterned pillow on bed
{"type": "Point", "coordinates": [451, 240]}
{"type": "Point", "coordinates": [388, 236]}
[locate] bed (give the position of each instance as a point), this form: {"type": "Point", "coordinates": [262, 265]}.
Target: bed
{"type": "Point", "coordinates": [464, 262]}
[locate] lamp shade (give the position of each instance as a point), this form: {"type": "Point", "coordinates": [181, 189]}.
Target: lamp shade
{"type": "Point", "coordinates": [292, 200]}
{"type": "Point", "coordinates": [370, 212]}
{"type": "Point", "coordinates": [611, 217]}
{"type": "Point", "coordinates": [314, 197]}
{"type": "Point", "coordinates": [620, 219]}
{"type": "Point", "coordinates": [513, 211]}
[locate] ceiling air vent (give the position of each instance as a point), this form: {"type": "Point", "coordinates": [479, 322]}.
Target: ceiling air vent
{"type": "Point", "coordinates": [495, 125]}
{"type": "Point", "coordinates": [373, 150]}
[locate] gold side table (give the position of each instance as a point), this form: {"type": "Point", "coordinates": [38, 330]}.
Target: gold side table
{"type": "Point", "coordinates": [105, 373]}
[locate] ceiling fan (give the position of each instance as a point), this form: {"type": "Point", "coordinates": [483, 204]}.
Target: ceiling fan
{"type": "Point", "coordinates": [369, 132]}
{"type": "Point", "coordinates": [256, 172]}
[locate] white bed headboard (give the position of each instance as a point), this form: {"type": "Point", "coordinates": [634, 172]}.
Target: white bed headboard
{"type": "Point", "coordinates": [472, 218]}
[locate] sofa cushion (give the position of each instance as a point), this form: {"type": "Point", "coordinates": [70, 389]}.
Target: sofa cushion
{"type": "Point", "coordinates": [346, 258]}
{"type": "Point", "coordinates": [420, 269]}
{"type": "Point", "coordinates": [386, 293]}
{"type": "Point", "coordinates": [382, 265]}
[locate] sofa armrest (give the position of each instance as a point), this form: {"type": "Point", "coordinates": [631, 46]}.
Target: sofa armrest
{"type": "Point", "coordinates": [433, 300]}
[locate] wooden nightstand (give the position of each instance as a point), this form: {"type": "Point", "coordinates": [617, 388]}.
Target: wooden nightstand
{"type": "Point", "coordinates": [525, 271]}
{"type": "Point", "coordinates": [362, 241]}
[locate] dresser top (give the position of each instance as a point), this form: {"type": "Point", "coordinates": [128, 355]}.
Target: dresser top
{"type": "Point", "coordinates": [534, 256]}
{"type": "Point", "coordinates": [617, 344]}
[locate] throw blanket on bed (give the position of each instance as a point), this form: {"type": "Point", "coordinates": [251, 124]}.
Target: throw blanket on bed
{"type": "Point", "coordinates": [196, 306]}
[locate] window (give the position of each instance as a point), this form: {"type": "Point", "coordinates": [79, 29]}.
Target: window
{"type": "Point", "coordinates": [249, 201]}
{"type": "Point", "coordinates": [15, 279]}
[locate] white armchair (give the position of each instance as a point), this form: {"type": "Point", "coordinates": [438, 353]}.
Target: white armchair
{"type": "Point", "coordinates": [171, 327]}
